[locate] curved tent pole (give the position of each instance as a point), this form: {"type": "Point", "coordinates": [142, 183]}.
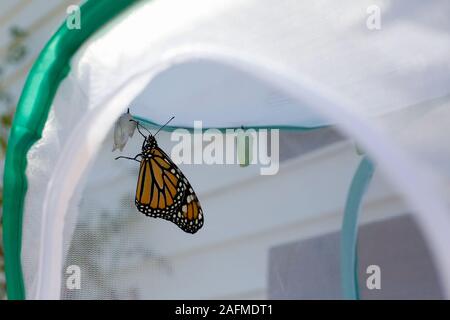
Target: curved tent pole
{"type": "Point", "coordinates": [349, 232]}
{"type": "Point", "coordinates": [50, 68]}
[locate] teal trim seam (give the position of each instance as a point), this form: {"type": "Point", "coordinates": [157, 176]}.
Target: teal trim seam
{"type": "Point", "coordinates": [349, 232]}
{"type": "Point", "coordinates": [50, 68]}
{"type": "Point", "coordinates": [280, 127]}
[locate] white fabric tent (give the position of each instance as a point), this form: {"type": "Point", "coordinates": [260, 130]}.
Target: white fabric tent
{"type": "Point", "coordinates": [371, 84]}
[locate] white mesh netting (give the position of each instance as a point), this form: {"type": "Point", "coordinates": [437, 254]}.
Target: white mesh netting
{"type": "Point", "coordinates": [305, 51]}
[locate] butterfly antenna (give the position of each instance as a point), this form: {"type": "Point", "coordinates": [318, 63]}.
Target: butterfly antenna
{"type": "Point", "coordinates": [139, 125]}
{"type": "Point", "coordinates": [164, 125]}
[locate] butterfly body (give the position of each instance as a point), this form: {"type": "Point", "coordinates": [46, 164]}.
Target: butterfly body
{"type": "Point", "coordinates": [163, 191]}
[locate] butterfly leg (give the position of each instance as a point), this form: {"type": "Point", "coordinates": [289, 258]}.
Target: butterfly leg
{"type": "Point", "coordinates": [129, 158]}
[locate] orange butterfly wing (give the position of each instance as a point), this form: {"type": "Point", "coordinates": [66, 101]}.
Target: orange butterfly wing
{"type": "Point", "coordinates": [163, 191]}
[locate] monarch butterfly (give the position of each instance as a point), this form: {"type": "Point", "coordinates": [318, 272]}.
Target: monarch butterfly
{"type": "Point", "coordinates": [162, 190]}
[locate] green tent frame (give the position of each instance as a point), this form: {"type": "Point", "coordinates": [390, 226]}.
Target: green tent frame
{"type": "Point", "coordinates": [50, 68]}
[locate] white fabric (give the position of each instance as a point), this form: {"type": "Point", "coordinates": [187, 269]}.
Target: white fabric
{"type": "Point", "coordinates": [308, 50]}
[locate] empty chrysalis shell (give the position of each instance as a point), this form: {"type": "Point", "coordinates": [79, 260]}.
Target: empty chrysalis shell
{"type": "Point", "coordinates": [123, 130]}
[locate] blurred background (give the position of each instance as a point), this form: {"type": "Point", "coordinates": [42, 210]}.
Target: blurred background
{"type": "Point", "coordinates": [124, 255]}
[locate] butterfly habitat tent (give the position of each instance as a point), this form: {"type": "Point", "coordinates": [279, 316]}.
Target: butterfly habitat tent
{"type": "Point", "coordinates": [212, 61]}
